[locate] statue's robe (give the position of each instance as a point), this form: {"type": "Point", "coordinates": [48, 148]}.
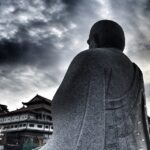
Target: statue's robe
{"type": "Point", "coordinates": [100, 104]}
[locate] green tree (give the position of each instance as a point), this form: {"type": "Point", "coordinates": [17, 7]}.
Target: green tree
{"type": "Point", "coordinates": [29, 144]}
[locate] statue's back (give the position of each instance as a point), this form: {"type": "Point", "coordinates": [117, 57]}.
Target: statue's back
{"type": "Point", "coordinates": [98, 106]}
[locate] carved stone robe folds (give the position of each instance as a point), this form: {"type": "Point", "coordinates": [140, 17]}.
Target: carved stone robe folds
{"type": "Point", "coordinates": [100, 104]}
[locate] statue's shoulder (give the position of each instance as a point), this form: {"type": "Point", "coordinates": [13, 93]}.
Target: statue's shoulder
{"type": "Point", "coordinates": [89, 53]}
{"type": "Point", "coordinates": [100, 52]}
{"type": "Point", "coordinates": [82, 55]}
{"type": "Point", "coordinates": [102, 55]}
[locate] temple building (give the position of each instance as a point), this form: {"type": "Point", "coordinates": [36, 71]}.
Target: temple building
{"type": "Point", "coordinates": [29, 126]}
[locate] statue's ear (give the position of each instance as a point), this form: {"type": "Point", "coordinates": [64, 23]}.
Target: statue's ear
{"type": "Point", "coordinates": [88, 41]}
{"type": "Point", "coordinates": [92, 42]}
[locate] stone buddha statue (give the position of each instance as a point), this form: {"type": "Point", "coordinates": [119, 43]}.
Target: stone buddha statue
{"type": "Point", "coordinates": [100, 104]}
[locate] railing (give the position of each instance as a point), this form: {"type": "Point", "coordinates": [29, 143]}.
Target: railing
{"type": "Point", "coordinates": [20, 120]}
{"type": "Point", "coordinates": [28, 128]}
{"type": "Point", "coordinates": [44, 120]}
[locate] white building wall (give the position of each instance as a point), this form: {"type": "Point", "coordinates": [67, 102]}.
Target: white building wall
{"type": "Point", "coordinates": [15, 118]}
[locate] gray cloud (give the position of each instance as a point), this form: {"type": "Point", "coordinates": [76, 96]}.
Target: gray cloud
{"type": "Point", "coordinates": [38, 39]}
{"type": "Point", "coordinates": [30, 46]}
{"type": "Point", "coordinates": [26, 34]}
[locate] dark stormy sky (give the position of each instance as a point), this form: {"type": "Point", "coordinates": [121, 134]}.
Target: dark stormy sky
{"type": "Point", "coordinates": [39, 38]}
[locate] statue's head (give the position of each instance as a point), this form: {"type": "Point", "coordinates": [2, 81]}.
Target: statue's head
{"type": "Point", "coordinates": [105, 34]}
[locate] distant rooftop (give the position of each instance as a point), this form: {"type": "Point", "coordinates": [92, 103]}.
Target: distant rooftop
{"type": "Point", "coordinates": [27, 106]}
{"type": "Point", "coordinates": [3, 108]}
{"type": "Point", "coordinates": [37, 99]}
